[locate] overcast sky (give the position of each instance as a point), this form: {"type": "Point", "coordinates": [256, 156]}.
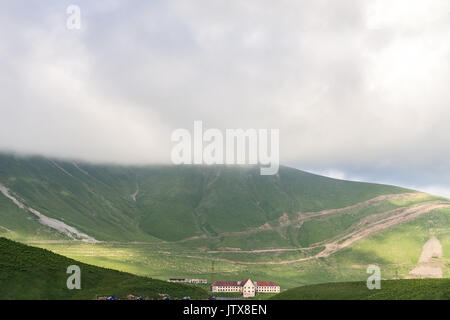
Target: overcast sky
{"type": "Point", "coordinates": [359, 89]}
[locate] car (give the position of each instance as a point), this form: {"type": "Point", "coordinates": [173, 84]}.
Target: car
{"type": "Point", "coordinates": [166, 298]}
{"type": "Point", "coordinates": [186, 298]}
{"type": "Point", "coordinates": [111, 298]}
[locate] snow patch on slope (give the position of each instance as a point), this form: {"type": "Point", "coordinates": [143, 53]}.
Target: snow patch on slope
{"type": "Point", "coordinates": [55, 224]}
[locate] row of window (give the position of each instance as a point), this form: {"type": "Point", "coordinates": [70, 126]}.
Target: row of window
{"type": "Point", "coordinates": [267, 289]}
{"type": "Point", "coordinates": [229, 290]}
{"type": "Point", "coordinates": [257, 289]}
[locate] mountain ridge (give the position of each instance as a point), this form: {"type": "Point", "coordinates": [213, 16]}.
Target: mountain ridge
{"type": "Point", "coordinates": [172, 203]}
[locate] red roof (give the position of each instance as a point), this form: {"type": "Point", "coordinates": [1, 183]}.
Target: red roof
{"type": "Point", "coordinates": [241, 283]}
{"type": "Point", "coordinates": [225, 284]}
{"type": "Point", "coordinates": [266, 284]}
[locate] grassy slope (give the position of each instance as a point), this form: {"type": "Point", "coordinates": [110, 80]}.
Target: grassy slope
{"type": "Point", "coordinates": [395, 250]}
{"type": "Point", "coordinates": [177, 202]}
{"type": "Point", "coordinates": [33, 273]}
{"type": "Point", "coordinates": [21, 225]}
{"type": "Point", "coordinates": [173, 203]}
{"type": "Point", "coordinates": [412, 289]}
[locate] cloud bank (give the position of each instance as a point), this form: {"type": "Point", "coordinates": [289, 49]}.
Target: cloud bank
{"type": "Point", "coordinates": [358, 87]}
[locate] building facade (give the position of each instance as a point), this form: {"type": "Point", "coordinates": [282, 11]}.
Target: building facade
{"type": "Point", "coordinates": [247, 287]}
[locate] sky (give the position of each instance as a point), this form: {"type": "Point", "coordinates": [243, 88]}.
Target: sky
{"type": "Point", "coordinates": [358, 89]}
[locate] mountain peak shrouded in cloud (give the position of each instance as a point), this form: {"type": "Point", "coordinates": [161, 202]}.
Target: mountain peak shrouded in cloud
{"type": "Point", "coordinates": [356, 86]}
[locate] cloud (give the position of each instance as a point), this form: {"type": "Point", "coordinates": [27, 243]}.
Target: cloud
{"type": "Point", "coordinates": [437, 190]}
{"type": "Point", "coordinates": [335, 174]}
{"type": "Point", "coordinates": [431, 179]}
{"type": "Point", "coordinates": [350, 84]}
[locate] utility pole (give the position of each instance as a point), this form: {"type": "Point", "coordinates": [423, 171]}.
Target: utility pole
{"type": "Point", "coordinates": [212, 272]}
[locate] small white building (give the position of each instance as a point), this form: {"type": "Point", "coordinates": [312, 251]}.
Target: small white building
{"type": "Point", "coordinates": [247, 287]}
{"type": "Point", "coordinates": [184, 280]}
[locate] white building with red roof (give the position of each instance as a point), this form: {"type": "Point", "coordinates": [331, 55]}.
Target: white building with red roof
{"type": "Point", "coordinates": [247, 287]}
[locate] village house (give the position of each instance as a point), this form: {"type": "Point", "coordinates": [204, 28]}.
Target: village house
{"type": "Point", "coordinates": [247, 287]}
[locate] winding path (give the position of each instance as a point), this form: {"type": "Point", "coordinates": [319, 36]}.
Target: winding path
{"type": "Point", "coordinates": [394, 217]}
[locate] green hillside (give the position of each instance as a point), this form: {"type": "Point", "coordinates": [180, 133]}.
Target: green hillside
{"type": "Point", "coordinates": [396, 250]}
{"type": "Point", "coordinates": [33, 273]}
{"type": "Point", "coordinates": [293, 228]}
{"type": "Point", "coordinates": [412, 289]}
{"type": "Point", "coordinates": [115, 203]}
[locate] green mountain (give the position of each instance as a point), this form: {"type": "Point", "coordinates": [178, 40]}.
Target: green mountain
{"type": "Point", "coordinates": [294, 228]}
{"type": "Point", "coordinates": [33, 273]}
{"type": "Point", "coordinates": [171, 203]}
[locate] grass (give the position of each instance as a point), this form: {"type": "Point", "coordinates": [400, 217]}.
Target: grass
{"type": "Point", "coordinates": [33, 273]}
{"type": "Point", "coordinates": [20, 225]}
{"type": "Point", "coordinates": [398, 249]}
{"type": "Point", "coordinates": [395, 250]}
{"type": "Point", "coordinates": [412, 289]}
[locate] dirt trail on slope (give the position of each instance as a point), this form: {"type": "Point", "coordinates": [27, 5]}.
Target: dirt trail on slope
{"type": "Point", "coordinates": [259, 250]}
{"type": "Point", "coordinates": [61, 168]}
{"type": "Point", "coordinates": [399, 216]}
{"type": "Point", "coordinates": [305, 216]}
{"type": "Point", "coordinates": [431, 249]}
{"type": "Point", "coordinates": [55, 224]}
{"type": "Point", "coordinates": [426, 267]}
{"type": "Point", "coordinates": [302, 217]}
{"type": "Point", "coordinates": [395, 217]}
{"type": "Point", "coordinates": [134, 195]}
{"type": "Point", "coordinates": [81, 170]}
